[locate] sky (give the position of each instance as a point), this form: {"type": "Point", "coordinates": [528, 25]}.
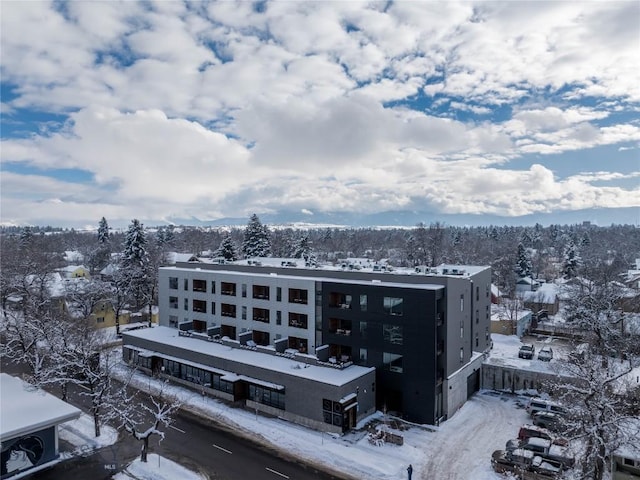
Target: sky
{"type": "Point", "coordinates": [201, 111]}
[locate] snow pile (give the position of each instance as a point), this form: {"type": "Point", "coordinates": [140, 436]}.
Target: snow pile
{"type": "Point", "coordinates": [157, 468]}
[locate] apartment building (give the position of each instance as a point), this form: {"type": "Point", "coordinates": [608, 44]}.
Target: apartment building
{"type": "Point", "coordinates": [423, 330]}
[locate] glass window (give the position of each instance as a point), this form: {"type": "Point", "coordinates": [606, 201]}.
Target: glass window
{"type": "Point", "coordinates": [186, 304]}
{"type": "Point", "coordinates": [186, 284]}
{"type": "Point", "coordinates": [363, 354]}
{"type": "Point", "coordinates": [199, 285]}
{"type": "Point", "coordinates": [462, 303]}
{"type": "Point", "coordinates": [213, 286]}
{"type": "Point", "coordinates": [173, 302]}
{"type": "Point", "coordinates": [244, 313]}
{"type": "Point", "coordinates": [279, 294]}
{"type": "Point", "coordinates": [173, 320]}
{"type": "Point", "coordinates": [392, 334]}
{"type": "Point", "coordinates": [213, 308]}
{"type": "Point", "coordinates": [173, 283]}
{"type": "Point", "coordinates": [392, 362]}
{"type": "Point", "coordinates": [244, 289]}
{"type": "Point", "coordinates": [363, 329]}
{"type": "Point", "coordinates": [278, 317]}
{"type": "Point", "coordinates": [363, 303]}
{"type": "Point", "coordinates": [393, 305]}
{"type": "Point", "coordinates": [461, 354]}
{"type": "Point", "coordinates": [200, 306]}
{"type": "Point", "coordinates": [298, 320]}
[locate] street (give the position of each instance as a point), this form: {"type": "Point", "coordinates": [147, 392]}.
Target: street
{"type": "Point", "coordinates": [196, 443]}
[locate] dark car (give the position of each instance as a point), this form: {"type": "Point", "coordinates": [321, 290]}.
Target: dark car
{"type": "Point", "coordinates": [527, 351]}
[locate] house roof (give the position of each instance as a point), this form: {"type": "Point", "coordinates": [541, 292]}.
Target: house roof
{"type": "Point", "coordinates": [27, 409]}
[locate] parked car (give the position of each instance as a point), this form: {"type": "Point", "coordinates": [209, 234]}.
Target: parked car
{"type": "Point", "coordinates": [549, 420]}
{"type": "Point", "coordinates": [525, 464]}
{"type": "Point", "coordinates": [536, 405]}
{"type": "Point", "coordinates": [529, 431]}
{"type": "Point", "coordinates": [545, 449]}
{"type": "Point", "coordinates": [545, 354]}
{"type": "Point", "coordinates": [527, 351]}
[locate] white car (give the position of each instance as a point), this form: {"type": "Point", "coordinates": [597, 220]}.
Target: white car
{"type": "Point", "coordinates": [545, 354]}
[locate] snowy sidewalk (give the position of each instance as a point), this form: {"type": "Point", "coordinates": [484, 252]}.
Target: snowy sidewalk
{"type": "Point", "coordinates": [80, 434]}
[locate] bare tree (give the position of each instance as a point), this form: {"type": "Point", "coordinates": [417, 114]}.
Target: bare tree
{"type": "Point", "coordinates": [143, 415]}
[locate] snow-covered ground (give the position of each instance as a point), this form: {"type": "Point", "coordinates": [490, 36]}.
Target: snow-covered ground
{"type": "Point", "coordinates": [505, 351]}
{"type": "Point", "coordinates": [80, 433]}
{"type": "Point", "coordinates": [458, 449]}
{"type": "Point", "coordinates": [156, 468]}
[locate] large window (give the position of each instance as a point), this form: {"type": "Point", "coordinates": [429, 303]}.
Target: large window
{"type": "Point", "coordinates": [297, 295]}
{"type": "Point", "coordinates": [267, 396]}
{"type": "Point", "coordinates": [173, 302]}
{"type": "Point", "coordinates": [332, 412]}
{"type": "Point", "coordinates": [227, 310]}
{"type": "Point", "coordinates": [392, 362]}
{"type": "Point", "coordinates": [261, 292]}
{"type": "Point", "coordinates": [298, 320]}
{"type": "Point", "coordinates": [222, 385]}
{"type": "Point", "coordinates": [199, 285]}
{"type": "Point", "coordinates": [393, 305]}
{"type": "Point", "coordinates": [392, 334]}
{"type": "Point", "coordinates": [363, 330]}
{"type": "Point", "coordinates": [173, 320]}
{"type": "Point", "coordinates": [261, 315]}
{"type": "Point", "coordinates": [299, 344]}
{"type": "Point", "coordinates": [200, 306]}
{"type": "Point", "coordinates": [363, 303]}
{"type": "Point", "coordinates": [227, 288]}
{"type": "Point", "coordinates": [340, 300]}
{"type": "Point", "coordinates": [173, 283]}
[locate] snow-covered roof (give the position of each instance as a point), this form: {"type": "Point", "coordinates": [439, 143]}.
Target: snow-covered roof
{"type": "Point", "coordinates": [527, 281]}
{"type": "Point", "coordinates": [109, 269]}
{"type": "Point", "coordinates": [286, 366]}
{"type": "Point", "coordinates": [173, 257]}
{"type": "Point", "coordinates": [72, 268]}
{"type": "Point", "coordinates": [28, 409]}
{"type": "Point", "coordinates": [546, 293]}
{"type": "Point", "coordinates": [73, 256]}
{"type": "Point", "coordinates": [328, 278]}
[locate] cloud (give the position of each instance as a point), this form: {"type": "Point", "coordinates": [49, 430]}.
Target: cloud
{"type": "Point", "coordinates": [218, 109]}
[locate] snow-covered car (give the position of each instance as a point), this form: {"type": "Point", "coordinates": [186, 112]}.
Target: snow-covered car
{"type": "Point", "coordinates": [547, 420]}
{"type": "Point", "coordinates": [527, 351]}
{"type": "Point", "coordinates": [545, 354]}
{"type": "Point", "coordinates": [529, 431]}
{"type": "Point", "coordinates": [525, 464]}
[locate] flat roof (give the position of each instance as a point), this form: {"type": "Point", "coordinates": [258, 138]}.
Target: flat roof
{"type": "Point", "coordinates": [27, 409]}
{"type": "Point", "coordinates": [392, 282]}
{"type": "Point", "coordinates": [285, 366]}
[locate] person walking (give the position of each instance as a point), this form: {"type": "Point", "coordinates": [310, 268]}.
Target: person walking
{"type": "Point", "coordinates": [409, 471]}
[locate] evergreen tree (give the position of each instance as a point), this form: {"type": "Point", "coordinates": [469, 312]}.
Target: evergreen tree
{"type": "Point", "coordinates": [523, 262]}
{"type": "Point", "coordinates": [26, 235]}
{"type": "Point", "coordinates": [571, 260]}
{"type": "Point", "coordinates": [135, 244]}
{"type": "Point", "coordinates": [302, 247]}
{"type": "Point", "coordinates": [103, 231]}
{"type": "Point", "coordinates": [227, 250]}
{"type": "Point", "coordinates": [256, 239]}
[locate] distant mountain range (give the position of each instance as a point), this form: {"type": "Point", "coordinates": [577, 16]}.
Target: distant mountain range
{"type": "Point", "coordinates": [602, 217]}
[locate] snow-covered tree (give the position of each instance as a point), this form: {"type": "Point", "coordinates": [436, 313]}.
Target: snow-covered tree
{"type": "Point", "coordinates": [302, 246]}
{"type": "Point", "coordinates": [523, 262]}
{"type": "Point", "coordinates": [601, 403]}
{"type": "Point", "coordinates": [143, 416]}
{"type": "Point", "coordinates": [103, 231]}
{"type": "Point", "coordinates": [135, 245]}
{"type": "Point", "coordinates": [571, 260]}
{"type": "Point", "coordinates": [227, 250]}
{"type": "Point", "coordinates": [256, 239]}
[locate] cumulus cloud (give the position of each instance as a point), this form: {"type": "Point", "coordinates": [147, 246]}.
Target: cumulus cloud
{"type": "Point", "coordinates": [208, 110]}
